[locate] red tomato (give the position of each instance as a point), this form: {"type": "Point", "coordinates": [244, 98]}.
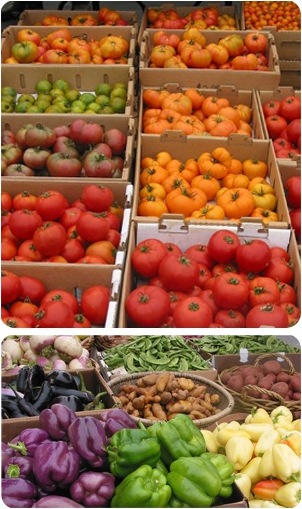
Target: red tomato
{"type": "Point", "coordinates": [15, 322]}
{"type": "Point", "coordinates": [192, 312]}
{"type": "Point", "coordinates": [281, 144]}
{"type": "Point", "coordinates": [92, 259]}
{"type": "Point", "coordinates": [230, 291]}
{"type": "Point", "coordinates": [59, 295]}
{"type": "Point", "coordinates": [103, 248]}
{"type": "Point", "coordinates": [178, 272]}
{"type": "Point", "coordinates": [270, 315]}
{"type": "Point", "coordinates": [292, 188]}
{"type": "Point", "coordinates": [23, 223]}
{"type": "Point", "coordinates": [271, 107]}
{"type": "Point", "coordinates": [95, 303]}
{"type": "Point", "coordinates": [208, 297]}
{"type": "Point", "coordinates": [9, 248]}
{"type": "Point", "coordinates": [80, 321]}
{"type": "Point", "coordinates": [204, 275]}
{"type": "Point", "coordinates": [147, 306]}
{"type": "Point", "coordinates": [147, 256]}
{"type": "Point", "coordinates": [221, 268]}
{"type": "Point", "coordinates": [253, 256]}
{"type": "Point", "coordinates": [287, 293]}
{"type": "Point", "coordinates": [114, 222]}
{"type": "Point", "coordinates": [60, 164]}
{"type": "Point", "coordinates": [292, 311]}
{"type": "Point", "coordinates": [53, 314]}
{"type": "Point", "coordinates": [23, 310]}
{"type": "Point", "coordinates": [295, 219]}
{"type": "Point", "coordinates": [293, 130]}
{"type": "Point", "coordinates": [173, 248]}
{"type": "Point", "coordinates": [275, 125]}
{"type": "Point", "coordinates": [25, 200]}
{"type": "Point", "coordinates": [73, 250]}
{"type": "Point", "coordinates": [175, 297]}
{"type": "Point", "coordinates": [200, 254]}
{"type": "Point", "coordinates": [70, 217]}
{"type": "Point", "coordinates": [114, 237]}
{"type": "Point", "coordinates": [279, 270]}
{"type": "Point", "coordinates": [92, 226]}
{"type": "Point", "coordinates": [290, 108]}
{"type": "Point", "coordinates": [51, 205]}
{"type": "Point", "coordinates": [32, 289]}
{"type": "Point", "coordinates": [50, 238]}
{"type": "Point", "coordinates": [279, 252]}
{"type": "Point", "coordinates": [89, 133]}
{"type": "Point", "coordinates": [230, 319]}
{"type": "Point", "coordinates": [6, 201]}
{"type": "Point", "coordinates": [29, 251]}
{"type": "Point", "coordinates": [97, 198]}
{"type": "Point", "coordinates": [263, 290]}
{"type": "Point", "coordinates": [222, 246]}
{"type": "Point", "coordinates": [10, 287]}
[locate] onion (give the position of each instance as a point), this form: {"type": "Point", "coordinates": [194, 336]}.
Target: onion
{"type": "Point", "coordinates": [24, 343]}
{"type": "Point", "coordinates": [13, 347]}
{"type": "Point", "coordinates": [44, 362]}
{"type": "Point", "coordinates": [37, 343]}
{"type": "Point", "coordinates": [69, 345]}
{"type": "Point", "coordinates": [59, 364]}
{"type": "Point", "coordinates": [81, 362]}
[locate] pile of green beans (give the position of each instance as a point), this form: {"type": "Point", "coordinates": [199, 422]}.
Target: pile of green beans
{"type": "Point", "coordinates": [220, 345]}
{"type": "Point", "coordinates": [155, 353]}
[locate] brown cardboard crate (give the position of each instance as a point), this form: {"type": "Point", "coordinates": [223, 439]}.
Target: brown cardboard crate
{"type": "Point", "coordinates": [290, 73]}
{"type": "Point", "coordinates": [94, 382]}
{"type": "Point", "coordinates": [124, 123]}
{"type": "Point", "coordinates": [184, 235]}
{"type": "Point", "coordinates": [9, 38]}
{"type": "Point", "coordinates": [183, 147]}
{"type": "Point", "coordinates": [35, 17]}
{"type": "Point", "coordinates": [23, 78]}
{"type": "Point", "coordinates": [243, 80]}
{"type": "Point", "coordinates": [232, 93]}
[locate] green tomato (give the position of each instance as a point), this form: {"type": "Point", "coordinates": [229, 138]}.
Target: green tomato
{"type": "Point", "coordinates": [8, 91]}
{"type": "Point", "coordinates": [118, 104]}
{"type": "Point", "coordinates": [56, 92]}
{"type": "Point", "coordinates": [120, 84]}
{"type": "Point", "coordinates": [118, 92]}
{"type": "Point", "coordinates": [43, 87]}
{"type": "Point", "coordinates": [8, 99]}
{"type": "Point", "coordinates": [42, 104]}
{"type": "Point", "coordinates": [7, 107]}
{"type": "Point", "coordinates": [78, 104]}
{"type": "Point", "coordinates": [53, 108]}
{"type": "Point", "coordinates": [61, 84]}
{"type": "Point", "coordinates": [102, 100]}
{"type": "Point", "coordinates": [103, 89]}
{"type": "Point", "coordinates": [72, 95]}
{"type": "Point", "coordinates": [76, 109]}
{"type": "Point", "coordinates": [33, 108]}
{"type": "Point", "coordinates": [93, 108]}
{"type": "Point", "coordinates": [22, 106]}
{"type": "Point", "coordinates": [87, 98]}
{"type": "Point", "coordinates": [107, 110]}
{"type": "Point", "coordinates": [26, 97]}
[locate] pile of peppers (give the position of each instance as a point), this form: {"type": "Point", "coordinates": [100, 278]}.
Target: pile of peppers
{"type": "Point", "coordinates": [73, 461]}
{"type": "Point", "coordinates": [34, 390]}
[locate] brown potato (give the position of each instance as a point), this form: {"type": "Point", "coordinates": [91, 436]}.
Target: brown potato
{"type": "Point", "coordinates": [165, 397]}
{"type": "Point", "coordinates": [249, 371]}
{"type": "Point", "coordinates": [186, 383]}
{"type": "Point", "coordinates": [139, 402]}
{"type": "Point", "coordinates": [159, 412]}
{"type": "Point", "coordinates": [271, 367]}
{"type": "Point", "coordinates": [295, 382]}
{"type": "Point", "coordinates": [235, 383]}
{"type": "Point", "coordinates": [149, 379]}
{"type": "Point", "coordinates": [280, 388]}
{"type": "Point", "coordinates": [266, 383]}
{"type": "Point", "coordinates": [162, 380]}
{"type": "Point", "coordinates": [296, 396]}
{"type": "Point", "coordinates": [251, 380]}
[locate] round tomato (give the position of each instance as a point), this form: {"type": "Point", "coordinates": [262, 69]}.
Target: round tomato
{"type": "Point", "coordinates": [292, 188]}
{"type": "Point", "coordinates": [6, 201]}
{"type": "Point", "coordinates": [80, 321]}
{"type": "Point", "coordinates": [15, 322]}
{"type": "Point", "coordinates": [271, 107]}
{"type": "Point", "coordinates": [270, 315]}
{"type": "Point", "coordinates": [50, 238]}
{"type": "Point", "coordinates": [61, 296]}
{"type": "Point", "coordinates": [25, 200]}
{"type": "Point", "coordinates": [32, 289]}
{"type": "Point", "coordinates": [23, 223]}
{"type": "Point", "coordinates": [147, 306]}
{"type": "Point", "coordinates": [292, 311]}
{"type": "Point", "coordinates": [73, 250]}
{"type": "Point", "coordinates": [40, 135]}
{"type": "Point", "coordinates": [103, 248]}
{"type": "Point", "coordinates": [295, 219]}
{"type": "Point", "coordinates": [275, 125]}
{"type": "Point", "coordinates": [280, 270]}
{"type": "Point", "coordinates": [287, 293]}
{"type": "Point", "coordinates": [290, 108]}
{"type": "Point", "coordinates": [36, 157]}
{"type": "Point", "coordinates": [230, 291]}
{"type": "Point", "coordinates": [9, 248]}
{"type": "Point", "coordinates": [204, 275]}
{"type": "Point", "coordinates": [53, 314]}
{"type": "Point", "coordinates": [173, 248]}
{"type": "Point", "coordinates": [60, 164]}
{"type": "Point", "coordinates": [51, 205]}
{"type": "Point", "coordinates": [279, 252]}
{"type": "Point", "coordinates": [24, 310]}
{"type": "Point", "coordinates": [293, 130]}
{"type": "Point", "coordinates": [230, 318]}
{"type": "Point", "coordinates": [29, 251]}
{"type": "Point", "coordinates": [178, 272]}
{"type": "Point", "coordinates": [95, 303]}
{"type": "Point", "coordinates": [146, 257]}
{"type": "Point", "coordinates": [114, 237]}
{"type": "Point", "coordinates": [222, 246]}
{"type": "Point", "coordinates": [263, 290]}
{"type": "Point", "coordinates": [192, 312]}
{"type": "Point", "coordinates": [92, 226]}
{"type": "Point", "coordinates": [97, 198]}
{"type": "Point", "coordinates": [253, 256]}
{"type": "Point", "coordinates": [10, 287]}
{"type": "Point", "coordinates": [70, 217]}
{"type": "Point", "coordinates": [208, 297]}
{"type": "Point", "coordinates": [200, 254]}
{"type": "Point", "coordinates": [175, 297]}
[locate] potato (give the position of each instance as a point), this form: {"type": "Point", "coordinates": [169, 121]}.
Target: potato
{"type": "Point", "coordinates": [225, 377]}
{"type": "Point", "coordinates": [295, 382]}
{"type": "Point", "coordinates": [249, 371]}
{"type": "Point", "coordinates": [273, 377]}
{"type": "Point", "coordinates": [280, 388]}
{"type": "Point", "coordinates": [235, 383]}
{"type": "Point", "coordinates": [162, 381]}
{"type": "Point", "coordinates": [296, 396]}
{"type": "Point", "coordinates": [271, 367]}
{"type": "Point", "coordinates": [251, 380]}
{"type": "Point", "coordinates": [253, 393]}
{"type": "Point", "coordinates": [266, 383]}
{"type": "Point", "coordinates": [283, 377]}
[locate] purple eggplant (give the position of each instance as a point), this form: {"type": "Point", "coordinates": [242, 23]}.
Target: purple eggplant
{"type": "Point", "coordinates": [56, 465]}
{"type": "Point", "coordinates": [87, 436]}
{"type": "Point", "coordinates": [93, 489]}
{"type": "Point", "coordinates": [56, 420]}
{"type": "Point", "coordinates": [28, 441]}
{"type": "Point", "coordinates": [18, 466]}
{"type": "Point", "coordinates": [18, 492]}
{"type": "Point", "coordinates": [56, 501]}
{"type": "Point", "coordinates": [115, 419]}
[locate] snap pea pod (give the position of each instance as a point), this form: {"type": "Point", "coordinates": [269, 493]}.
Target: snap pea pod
{"type": "Point", "coordinates": [220, 345]}
{"type": "Point", "coordinates": [156, 353]}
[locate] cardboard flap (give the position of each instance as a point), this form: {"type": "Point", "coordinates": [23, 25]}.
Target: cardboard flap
{"type": "Point", "coordinates": [173, 136]}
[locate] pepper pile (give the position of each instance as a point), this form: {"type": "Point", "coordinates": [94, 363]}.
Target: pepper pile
{"type": "Point", "coordinates": [72, 461]}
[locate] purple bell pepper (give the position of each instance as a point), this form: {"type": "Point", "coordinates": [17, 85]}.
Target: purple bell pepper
{"type": "Point", "coordinates": [115, 419]}
{"type": "Point", "coordinates": [18, 492]}
{"type": "Point", "coordinates": [18, 466]}
{"type": "Point", "coordinates": [6, 454]}
{"type": "Point", "coordinates": [87, 436]}
{"type": "Point", "coordinates": [56, 501]}
{"type": "Point", "coordinates": [28, 441]}
{"type": "Point", "coordinates": [93, 489]}
{"type": "Point", "coordinates": [56, 420]}
{"type": "Point", "coordinates": [56, 465]}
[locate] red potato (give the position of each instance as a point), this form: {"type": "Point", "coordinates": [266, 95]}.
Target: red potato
{"type": "Point", "coordinates": [271, 367]}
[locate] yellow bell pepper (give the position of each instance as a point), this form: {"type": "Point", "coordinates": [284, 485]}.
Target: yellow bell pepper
{"type": "Point", "coordinates": [281, 411]}
{"type": "Point", "coordinates": [293, 440]}
{"type": "Point", "coordinates": [257, 502]}
{"type": "Point", "coordinates": [297, 425]}
{"type": "Point", "coordinates": [239, 451]}
{"type": "Point", "coordinates": [260, 415]}
{"type": "Point", "coordinates": [284, 423]}
{"type": "Point", "coordinates": [267, 466]}
{"type": "Point", "coordinates": [289, 495]}
{"type": "Point", "coordinates": [266, 440]}
{"type": "Point", "coordinates": [210, 441]}
{"type": "Point", "coordinates": [244, 483]}
{"type": "Point", "coordinates": [287, 463]}
{"type": "Point", "coordinates": [252, 469]}
{"type": "Point", "coordinates": [256, 429]}
{"type": "Point", "coordinates": [224, 435]}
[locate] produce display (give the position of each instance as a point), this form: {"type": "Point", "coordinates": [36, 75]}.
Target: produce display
{"type": "Point", "coordinates": [226, 283]}
{"type": "Point", "coordinates": [59, 97]}
{"type": "Point", "coordinates": [281, 15]}
{"type": "Point", "coordinates": [60, 46]}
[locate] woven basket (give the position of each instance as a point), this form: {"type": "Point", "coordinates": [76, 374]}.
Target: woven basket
{"type": "Point", "coordinates": [106, 342]}
{"type": "Point", "coordinates": [226, 400]}
{"type": "Point", "coordinates": [246, 403]}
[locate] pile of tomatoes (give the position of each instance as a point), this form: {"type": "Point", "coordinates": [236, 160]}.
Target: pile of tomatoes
{"type": "Point", "coordinates": [226, 283]}
{"type": "Point", "coordinates": [283, 122]}
{"type": "Point", "coordinates": [203, 18]}
{"type": "Point", "coordinates": [82, 148]}
{"type": "Point", "coordinates": [104, 16]}
{"type": "Point", "coordinates": [61, 47]}
{"type": "Point", "coordinates": [26, 303]}
{"type": "Point", "coordinates": [191, 50]}
{"type": "Point", "coordinates": [46, 227]}
{"type": "Point", "coordinates": [282, 15]}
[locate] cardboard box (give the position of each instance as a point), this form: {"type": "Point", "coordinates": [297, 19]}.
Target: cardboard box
{"type": "Point", "coordinates": [183, 147]}
{"type": "Point", "coordinates": [175, 230]}
{"type": "Point", "coordinates": [23, 77]}
{"type": "Point", "coordinates": [290, 73]}
{"type": "Point", "coordinates": [205, 78]}
{"type": "Point", "coordinates": [9, 38]}
{"type": "Point", "coordinates": [94, 382]}
{"type": "Point", "coordinates": [124, 123]}
{"type": "Point", "coordinates": [232, 93]}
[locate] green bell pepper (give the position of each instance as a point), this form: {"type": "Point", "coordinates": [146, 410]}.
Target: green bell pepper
{"type": "Point", "coordinates": [144, 487]}
{"type": "Point", "coordinates": [174, 502]}
{"type": "Point", "coordinates": [179, 438]}
{"type": "Point", "coordinates": [194, 481]}
{"type": "Point", "coordinates": [128, 449]}
{"type": "Point", "coordinates": [225, 470]}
